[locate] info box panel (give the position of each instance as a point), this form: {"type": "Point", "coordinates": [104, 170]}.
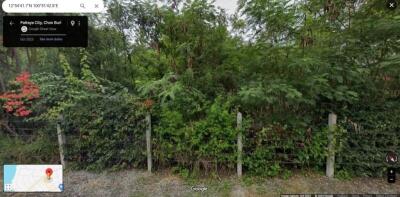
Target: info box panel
{"type": "Point", "coordinates": [45, 31]}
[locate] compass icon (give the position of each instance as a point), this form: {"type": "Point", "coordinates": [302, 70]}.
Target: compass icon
{"type": "Point", "coordinates": [391, 158]}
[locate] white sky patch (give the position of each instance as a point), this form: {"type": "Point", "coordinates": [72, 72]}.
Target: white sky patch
{"type": "Point", "coordinates": [228, 5]}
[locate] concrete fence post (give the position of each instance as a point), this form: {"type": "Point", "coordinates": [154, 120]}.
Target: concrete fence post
{"type": "Point", "coordinates": [239, 144]}
{"type": "Point", "coordinates": [330, 160]}
{"type": "Point", "coordinates": [148, 142]}
{"type": "Point", "coordinates": [61, 141]}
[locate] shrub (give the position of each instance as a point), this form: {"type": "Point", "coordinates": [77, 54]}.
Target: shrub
{"type": "Point", "coordinates": [39, 149]}
{"type": "Point", "coordinates": [202, 143]}
{"type": "Point", "coordinates": [103, 123]}
{"type": "Point", "coordinates": [365, 147]}
{"type": "Point", "coordinates": [18, 100]}
{"type": "Point", "coordinates": [215, 136]}
{"type": "Point", "coordinates": [277, 147]}
{"type": "Point", "coordinates": [104, 136]}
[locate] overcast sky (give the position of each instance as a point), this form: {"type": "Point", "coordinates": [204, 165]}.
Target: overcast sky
{"type": "Point", "coordinates": [229, 5]}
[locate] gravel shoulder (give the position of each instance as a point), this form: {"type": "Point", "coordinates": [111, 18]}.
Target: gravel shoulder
{"type": "Point", "coordinates": [140, 183]}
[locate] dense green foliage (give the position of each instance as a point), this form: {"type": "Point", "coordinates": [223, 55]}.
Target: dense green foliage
{"type": "Point", "coordinates": [108, 132]}
{"type": "Point", "coordinates": [284, 64]}
{"type": "Point", "coordinates": [366, 144]}
{"type": "Point", "coordinates": [103, 122]}
{"type": "Point", "coordinates": [204, 143]}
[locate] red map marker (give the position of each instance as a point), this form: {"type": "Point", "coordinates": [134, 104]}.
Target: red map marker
{"type": "Point", "coordinates": [49, 172]}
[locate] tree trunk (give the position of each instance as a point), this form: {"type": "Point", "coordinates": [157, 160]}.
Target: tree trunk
{"type": "Point", "coordinates": [2, 84]}
{"type": "Point", "coordinates": [14, 54]}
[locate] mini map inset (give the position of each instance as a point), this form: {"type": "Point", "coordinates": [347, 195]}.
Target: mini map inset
{"type": "Point", "coordinates": [33, 178]}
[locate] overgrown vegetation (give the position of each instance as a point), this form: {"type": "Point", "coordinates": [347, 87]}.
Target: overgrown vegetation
{"type": "Point", "coordinates": [284, 64]}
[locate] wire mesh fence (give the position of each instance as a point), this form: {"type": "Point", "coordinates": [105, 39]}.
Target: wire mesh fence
{"type": "Point", "coordinates": [364, 149]}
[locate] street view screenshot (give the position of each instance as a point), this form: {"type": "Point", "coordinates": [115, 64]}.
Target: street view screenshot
{"type": "Point", "coordinates": [243, 98]}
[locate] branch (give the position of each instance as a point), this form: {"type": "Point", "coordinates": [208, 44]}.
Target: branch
{"type": "Point", "coordinates": [9, 129]}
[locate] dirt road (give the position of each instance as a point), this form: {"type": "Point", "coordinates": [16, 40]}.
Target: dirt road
{"type": "Point", "coordinates": [138, 183]}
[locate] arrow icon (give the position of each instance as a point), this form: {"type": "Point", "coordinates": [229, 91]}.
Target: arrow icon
{"type": "Point", "coordinates": [11, 23]}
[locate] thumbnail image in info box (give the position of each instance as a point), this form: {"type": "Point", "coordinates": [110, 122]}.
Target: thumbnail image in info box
{"type": "Point", "coordinates": [33, 178]}
{"type": "Point", "coordinates": [45, 31]}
